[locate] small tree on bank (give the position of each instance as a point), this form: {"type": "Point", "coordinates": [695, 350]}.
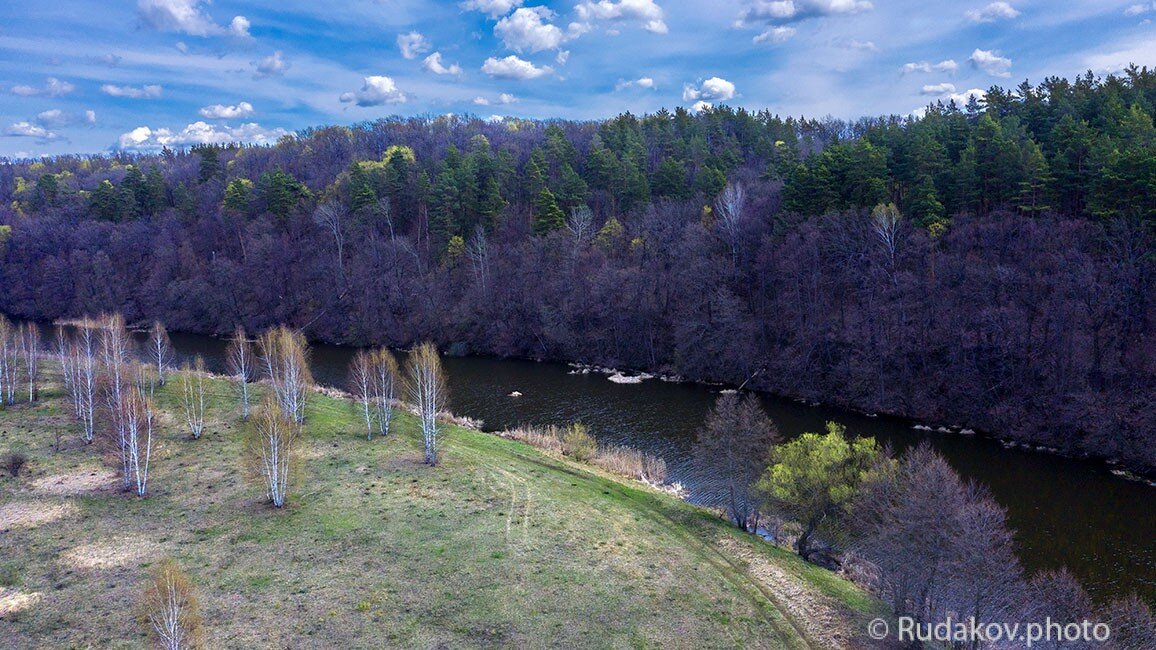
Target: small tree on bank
{"type": "Point", "coordinates": [426, 385]}
{"type": "Point", "coordinates": [270, 450]}
{"type": "Point", "coordinates": [160, 350]}
{"type": "Point", "coordinates": [170, 608]}
{"type": "Point", "coordinates": [192, 386]}
{"type": "Point", "coordinates": [285, 354]}
{"type": "Point", "coordinates": [241, 366]}
{"type": "Point", "coordinates": [361, 387]}
{"type": "Point", "coordinates": [30, 351]}
{"type": "Point", "coordinates": [383, 387]}
{"type": "Point", "coordinates": [737, 438]}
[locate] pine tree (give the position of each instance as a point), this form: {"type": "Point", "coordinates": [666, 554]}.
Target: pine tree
{"type": "Point", "coordinates": [548, 217]}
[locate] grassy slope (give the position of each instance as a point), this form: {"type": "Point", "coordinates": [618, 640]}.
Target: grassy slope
{"type": "Point", "coordinates": [499, 545]}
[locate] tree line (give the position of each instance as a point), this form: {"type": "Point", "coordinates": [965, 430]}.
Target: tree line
{"type": "Point", "coordinates": [988, 266]}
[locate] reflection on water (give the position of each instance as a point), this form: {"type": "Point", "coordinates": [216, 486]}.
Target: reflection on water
{"type": "Point", "coordinates": [1065, 512]}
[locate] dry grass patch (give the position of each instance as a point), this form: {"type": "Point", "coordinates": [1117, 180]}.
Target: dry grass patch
{"type": "Point", "coordinates": [30, 514]}
{"type": "Point", "coordinates": [111, 554]}
{"type": "Point", "coordinates": [78, 483]}
{"type": "Point", "coordinates": [13, 601]}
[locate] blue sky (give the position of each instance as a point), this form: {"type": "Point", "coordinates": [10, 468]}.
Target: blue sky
{"type": "Point", "coordinates": [89, 76]}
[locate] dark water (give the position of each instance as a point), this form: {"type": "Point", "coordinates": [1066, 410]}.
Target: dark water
{"type": "Point", "coordinates": [1065, 512]}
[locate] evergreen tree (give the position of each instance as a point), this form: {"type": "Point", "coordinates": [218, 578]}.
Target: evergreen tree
{"type": "Point", "coordinates": [548, 217]}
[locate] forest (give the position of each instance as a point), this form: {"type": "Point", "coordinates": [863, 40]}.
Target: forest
{"type": "Point", "coordinates": [988, 266]}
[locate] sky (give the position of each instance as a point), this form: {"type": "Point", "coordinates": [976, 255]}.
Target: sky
{"type": "Point", "coordinates": [92, 76]}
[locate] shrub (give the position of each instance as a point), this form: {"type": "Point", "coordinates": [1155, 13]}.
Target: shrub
{"type": "Point", "coordinates": [632, 463]}
{"type": "Point", "coordinates": [578, 444]}
{"type": "Point", "coordinates": [14, 462]}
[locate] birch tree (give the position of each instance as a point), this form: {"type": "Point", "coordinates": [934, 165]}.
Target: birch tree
{"type": "Point", "coordinates": [160, 349]}
{"type": "Point", "coordinates": [80, 375]}
{"type": "Point", "coordinates": [270, 450]}
{"type": "Point", "coordinates": [9, 354]}
{"type": "Point", "coordinates": [384, 387]}
{"type": "Point", "coordinates": [285, 354]}
{"type": "Point", "coordinates": [730, 209]}
{"type": "Point", "coordinates": [134, 439]}
{"type": "Point", "coordinates": [427, 391]}
{"type": "Point", "coordinates": [361, 386]}
{"type": "Point", "coordinates": [171, 609]}
{"type": "Point", "coordinates": [192, 385]}
{"type": "Point", "coordinates": [241, 366]}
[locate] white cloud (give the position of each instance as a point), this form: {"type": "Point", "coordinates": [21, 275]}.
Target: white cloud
{"type": "Point", "coordinates": [962, 98]}
{"type": "Point", "coordinates": [790, 11]}
{"type": "Point", "coordinates": [181, 47]}
{"type": "Point", "coordinates": [376, 90]}
{"type": "Point", "coordinates": [240, 27]}
{"type": "Point", "coordinates": [526, 30]}
{"type": "Point", "coordinates": [433, 63]}
{"type": "Point", "coordinates": [645, 11]}
{"type": "Point", "coordinates": [938, 89]}
{"type": "Point", "coordinates": [714, 89]}
{"type": "Point", "coordinates": [641, 82]}
{"type": "Point", "coordinates": [55, 118]}
{"type": "Point", "coordinates": [701, 106]}
{"type": "Point", "coordinates": [993, 12]}
{"type": "Point", "coordinates": [151, 91]}
{"type": "Point", "coordinates": [270, 66]}
{"type": "Point", "coordinates": [504, 98]}
{"type": "Point", "coordinates": [947, 65]}
{"type": "Point", "coordinates": [53, 87]}
{"type": "Point", "coordinates": [111, 60]}
{"type": "Point", "coordinates": [1140, 9]}
{"type": "Point", "coordinates": [775, 35]}
{"type": "Point", "coordinates": [512, 67]}
{"type": "Point", "coordinates": [492, 8]}
{"type": "Point", "coordinates": [991, 62]}
{"type": "Point", "coordinates": [185, 16]}
{"type": "Point", "coordinates": [412, 45]}
{"type": "Point", "coordinates": [220, 111]}
{"type": "Point", "coordinates": [562, 57]}
{"type": "Point", "coordinates": [30, 130]}
{"type": "Point", "coordinates": [145, 138]}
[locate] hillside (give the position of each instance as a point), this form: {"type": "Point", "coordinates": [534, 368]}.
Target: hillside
{"type": "Point", "coordinates": [499, 545]}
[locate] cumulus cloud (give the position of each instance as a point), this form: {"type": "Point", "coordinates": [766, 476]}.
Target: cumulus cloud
{"type": "Point", "coordinates": [433, 63]}
{"type": "Point", "coordinates": [781, 12]}
{"type": "Point", "coordinates": [776, 35]}
{"type": "Point", "coordinates": [512, 67]}
{"type": "Point", "coordinates": [270, 66]}
{"type": "Point", "coordinates": [492, 8]}
{"type": "Point", "coordinates": [504, 98]}
{"type": "Point", "coordinates": [526, 30]}
{"type": "Point", "coordinates": [144, 138]}
{"type": "Point", "coordinates": [412, 45]}
{"type": "Point", "coordinates": [993, 12]}
{"type": "Point", "coordinates": [991, 62]}
{"type": "Point", "coordinates": [962, 98]}
{"type": "Point", "coordinates": [713, 89]}
{"type": "Point", "coordinates": [30, 130]}
{"type": "Point", "coordinates": [938, 89]}
{"type": "Point", "coordinates": [641, 82]}
{"type": "Point", "coordinates": [223, 112]}
{"type": "Point", "coordinates": [186, 17]}
{"type": "Point", "coordinates": [701, 106]}
{"type": "Point", "coordinates": [947, 65]}
{"type": "Point", "coordinates": [376, 90]}
{"type": "Point", "coordinates": [150, 91]}
{"type": "Point", "coordinates": [646, 12]}
{"type": "Point", "coordinates": [52, 87]}
{"type": "Point", "coordinates": [90, 117]}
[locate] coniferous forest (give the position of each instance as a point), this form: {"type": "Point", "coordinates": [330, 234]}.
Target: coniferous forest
{"type": "Point", "coordinates": [989, 265]}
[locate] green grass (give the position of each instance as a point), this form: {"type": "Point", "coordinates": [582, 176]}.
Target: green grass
{"type": "Point", "coordinates": [500, 545]}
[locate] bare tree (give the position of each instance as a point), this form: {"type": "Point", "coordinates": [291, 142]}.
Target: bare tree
{"type": "Point", "coordinates": [285, 354]}
{"type": "Point", "coordinates": [383, 387]}
{"type": "Point", "coordinates": [241, 367]}
{"type": "Point", "coordinates": [580, 225]}
{"type": "Point", "coordinates": [730, 207]}
{"type": "Point", "coordinates": [80, 376]}
{"type": "Point", "coordinates": [885, 223]}
{"type": "Point", "coordinates": [428, 393]}
{"type": "Point", "coordinates": [332, 215]}
{"type": "Point", "coordinates": [270, 450]}
{"type": "Point", "coordinates": [478, 252]}
{"type": "Point", "coordinates": [9, 359]}
{"type": "Point", "coordinates": [30, 350]}
{"type": "Point", "coordinates": [134, 441]}
{"type": "Point", "coordinates": [737, 436]}
{"type": "Point", "coordinates": [170, 606]}
{"type": "Point", "coordinates": [160, 349]}
{"type": "Point", "coordinates": [192, 385]}
{"type": "Point", "coordinates": [117, 385]}
{"type": "Point", "coordinates": [361, 386]}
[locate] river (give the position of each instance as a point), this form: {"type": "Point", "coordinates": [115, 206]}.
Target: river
{"type": "Point", "coordinates": [1065, 512]}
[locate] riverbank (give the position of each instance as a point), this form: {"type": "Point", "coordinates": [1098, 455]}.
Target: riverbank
{"type": "Point", "coordinates": [498, 545]}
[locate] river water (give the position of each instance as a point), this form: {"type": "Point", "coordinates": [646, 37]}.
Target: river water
{"type": "Point", "coordinates": [1065, 512]}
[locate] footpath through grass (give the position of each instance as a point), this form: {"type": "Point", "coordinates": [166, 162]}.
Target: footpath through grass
{"type": "Point", "coordinates": [500, 545]}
